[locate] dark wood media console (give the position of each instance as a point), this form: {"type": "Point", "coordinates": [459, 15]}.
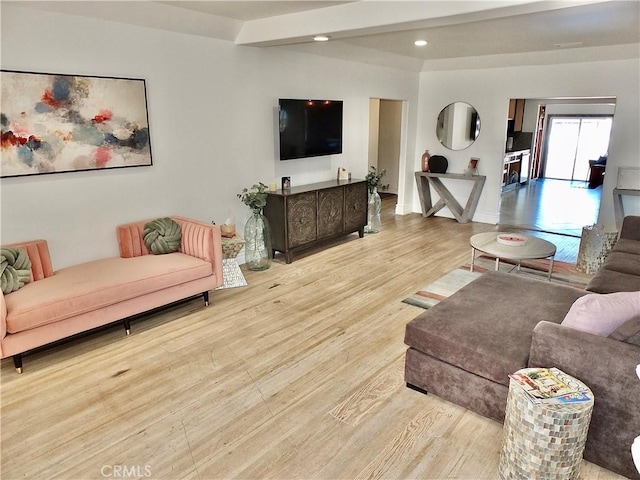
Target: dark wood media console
{"type": "Point", "coordinates": [305, 216]}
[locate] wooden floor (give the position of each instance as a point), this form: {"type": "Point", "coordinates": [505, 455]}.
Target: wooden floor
{"type": "Point", "coordinates": [297, 376]}
{"type": "Point", "coordinates": [551, 205]}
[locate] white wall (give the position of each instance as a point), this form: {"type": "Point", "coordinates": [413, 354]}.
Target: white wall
{"type": "Point", "coordinates": [490, 89]}
{"type": "Point", "coordinates": [211, 115]}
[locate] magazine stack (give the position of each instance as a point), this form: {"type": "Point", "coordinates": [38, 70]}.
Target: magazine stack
{"type": "Point", "coordinates": [550, 386]}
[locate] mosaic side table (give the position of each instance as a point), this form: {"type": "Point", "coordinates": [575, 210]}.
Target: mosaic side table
{"type": "Point", "coordinates": [231, 273]}
{"type": "Point", "coordinates": [595, 244]}
{"type": "Point", "coordinates": [543, 441]}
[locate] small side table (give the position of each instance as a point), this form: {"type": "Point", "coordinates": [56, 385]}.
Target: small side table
{"type": "Point", "coordinates": [231, 273]}
{"type": "Point", "coordinates": [595, 244]}
{"type": "Point", "coordinates": [543, 441]}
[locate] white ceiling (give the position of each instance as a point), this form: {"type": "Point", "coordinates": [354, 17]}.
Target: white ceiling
{"type": "Point", "coordinates": [383, 32]}
{"type": "Point", "coordinates": [252, 10]}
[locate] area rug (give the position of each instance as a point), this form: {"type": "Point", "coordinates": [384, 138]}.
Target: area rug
{"type": "Point", "coordinates": [563, 273]}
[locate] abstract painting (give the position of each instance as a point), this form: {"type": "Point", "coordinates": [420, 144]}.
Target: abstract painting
{"type": "Point", "coordinates": [55, 123]}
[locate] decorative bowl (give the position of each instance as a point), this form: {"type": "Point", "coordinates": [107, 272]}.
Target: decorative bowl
{"type": "Point", "coordinates": [511, 239]}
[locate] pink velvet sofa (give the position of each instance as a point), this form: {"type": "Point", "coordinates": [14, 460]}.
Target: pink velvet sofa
{"type": "Point", "coordinates": [55, 305]}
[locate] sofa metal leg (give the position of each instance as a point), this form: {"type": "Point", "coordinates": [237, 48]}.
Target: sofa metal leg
{"type": "Point", "coordinates": [127, 326]}
{"type": "Point", "coordinates": [17, 362]}
{"type": "Point", "coordinates": [417, 389]}
{"type": "Point", "coordinates": [205, 295]}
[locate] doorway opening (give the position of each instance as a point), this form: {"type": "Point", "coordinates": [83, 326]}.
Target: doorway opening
{"type": "Point", "coordinates": [569, 139]}
{"type": "Point", "coordinates": [387, 143]}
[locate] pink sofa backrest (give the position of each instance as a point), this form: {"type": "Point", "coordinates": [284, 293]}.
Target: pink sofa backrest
{"type": "Point", "coordinates": [130, 240]}
{"type": "Point", "coordinates": [197, 239]}
{"type": "Point", "coordinates": [38, 251]}
{"type": "Point", "coordinates": [41, 267]}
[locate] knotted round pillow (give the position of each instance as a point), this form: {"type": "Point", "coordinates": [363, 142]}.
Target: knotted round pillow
{"type": "Point", "coordinates": [15, 269]}
{"type": "Point", "coordinates": [162, 235]}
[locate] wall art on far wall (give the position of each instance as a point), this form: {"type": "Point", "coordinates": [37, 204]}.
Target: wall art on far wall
{"type": "Point", "coordinates": [54, 123]}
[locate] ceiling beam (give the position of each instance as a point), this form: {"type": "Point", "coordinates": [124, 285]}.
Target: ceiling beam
{"type": "Point", "coordinates": [371, 16]}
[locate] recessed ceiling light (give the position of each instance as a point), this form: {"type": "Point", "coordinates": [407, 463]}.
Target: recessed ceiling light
{"type": "Point", "coordinates": [420, 43]}
{"type": "Point", "coordinates": [321, 38]}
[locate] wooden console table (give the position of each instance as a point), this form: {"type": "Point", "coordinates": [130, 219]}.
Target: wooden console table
{"type": "Point", "coordinates": [462, 215]}
{"type": "Point", "coordinates": [618, 208]}
{"type": "Point", "coordinates": [307, 215]}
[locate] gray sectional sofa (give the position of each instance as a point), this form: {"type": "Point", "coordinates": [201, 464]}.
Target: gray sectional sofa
{"type": "Point", "coordinates": [464, 348]}
{"type": "Point", "coordinates": [621, 269]}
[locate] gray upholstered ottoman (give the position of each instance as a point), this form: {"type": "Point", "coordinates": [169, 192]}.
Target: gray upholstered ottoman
{"type": "Point", "coordinates": [464, 348]}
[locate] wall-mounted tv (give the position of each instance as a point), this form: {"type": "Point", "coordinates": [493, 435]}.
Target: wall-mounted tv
{"type": "Point", "coordinates": [309, 128]}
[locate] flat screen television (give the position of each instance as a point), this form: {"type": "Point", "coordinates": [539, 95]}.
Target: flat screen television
{"type": "Point", "coordinates": [309, 128]}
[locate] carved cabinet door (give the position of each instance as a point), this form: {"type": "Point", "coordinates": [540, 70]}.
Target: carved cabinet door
{"type": "Point", "coordinates": [301, 218]}
{"type": "Point", "coordinates": [355, 206]}
{"type": "Point", "coordinates": [330, 211]}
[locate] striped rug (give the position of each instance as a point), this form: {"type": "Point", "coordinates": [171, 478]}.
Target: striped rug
{"type": "Point", "coordinates": [563, 273]}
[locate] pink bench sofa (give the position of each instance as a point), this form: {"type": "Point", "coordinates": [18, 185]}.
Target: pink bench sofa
{"type": "Point", "coordinates": [58, 304]}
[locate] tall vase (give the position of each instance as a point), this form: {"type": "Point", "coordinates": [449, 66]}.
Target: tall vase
{"type": "Point", "coordinates": [257, 237]}
{"type": "Point", "coordinates": [373, 212]}
{"type": "Point", "coordinates": [425, 161]}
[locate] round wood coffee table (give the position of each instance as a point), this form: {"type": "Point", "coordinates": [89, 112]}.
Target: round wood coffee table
{"type": "Point", "coordinates": [532, 248]}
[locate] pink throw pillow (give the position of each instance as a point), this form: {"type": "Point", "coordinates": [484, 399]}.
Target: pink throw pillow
{"type": "Point", "coordinates": [602, 313]}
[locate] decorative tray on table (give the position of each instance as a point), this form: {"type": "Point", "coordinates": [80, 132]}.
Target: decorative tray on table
{"type": "Point", "coordinates": [511, 239]}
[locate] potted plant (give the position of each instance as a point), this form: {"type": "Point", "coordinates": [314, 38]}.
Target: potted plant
{"type": "Point", "coordinates": [255, 198]}
{"type": "Point", "coordinates": [373, 178]}
{"type": "Point", "coordinates": [257, 233]}
{"type": "Point", "coordinates": [375, 204]}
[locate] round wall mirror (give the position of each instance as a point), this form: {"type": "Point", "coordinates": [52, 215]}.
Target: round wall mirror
{"type": "Point", "coordinates": [458, 126]}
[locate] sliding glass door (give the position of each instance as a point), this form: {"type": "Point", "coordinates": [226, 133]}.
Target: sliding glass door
{"type": "Point", "coordinates": [572, 142]}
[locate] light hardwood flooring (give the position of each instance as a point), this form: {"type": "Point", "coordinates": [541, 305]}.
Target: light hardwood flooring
{"type": "Point", "coordinates": [551, 205]}
{"type": "Point", "coordinates": [297, 376]}
{"type": "Point", "coordinates": [555, 210]}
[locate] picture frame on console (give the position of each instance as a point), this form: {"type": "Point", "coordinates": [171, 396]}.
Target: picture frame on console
{"type": "Point", "coordinates": [472, 168]}
{"type": "Point", "coordinates": [56, 123]}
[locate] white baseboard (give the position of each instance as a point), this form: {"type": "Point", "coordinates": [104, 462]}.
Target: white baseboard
{"type": "Point", "coordinates": [403, 209]}
{"type": "Point", "coordinates": [490, 218]}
